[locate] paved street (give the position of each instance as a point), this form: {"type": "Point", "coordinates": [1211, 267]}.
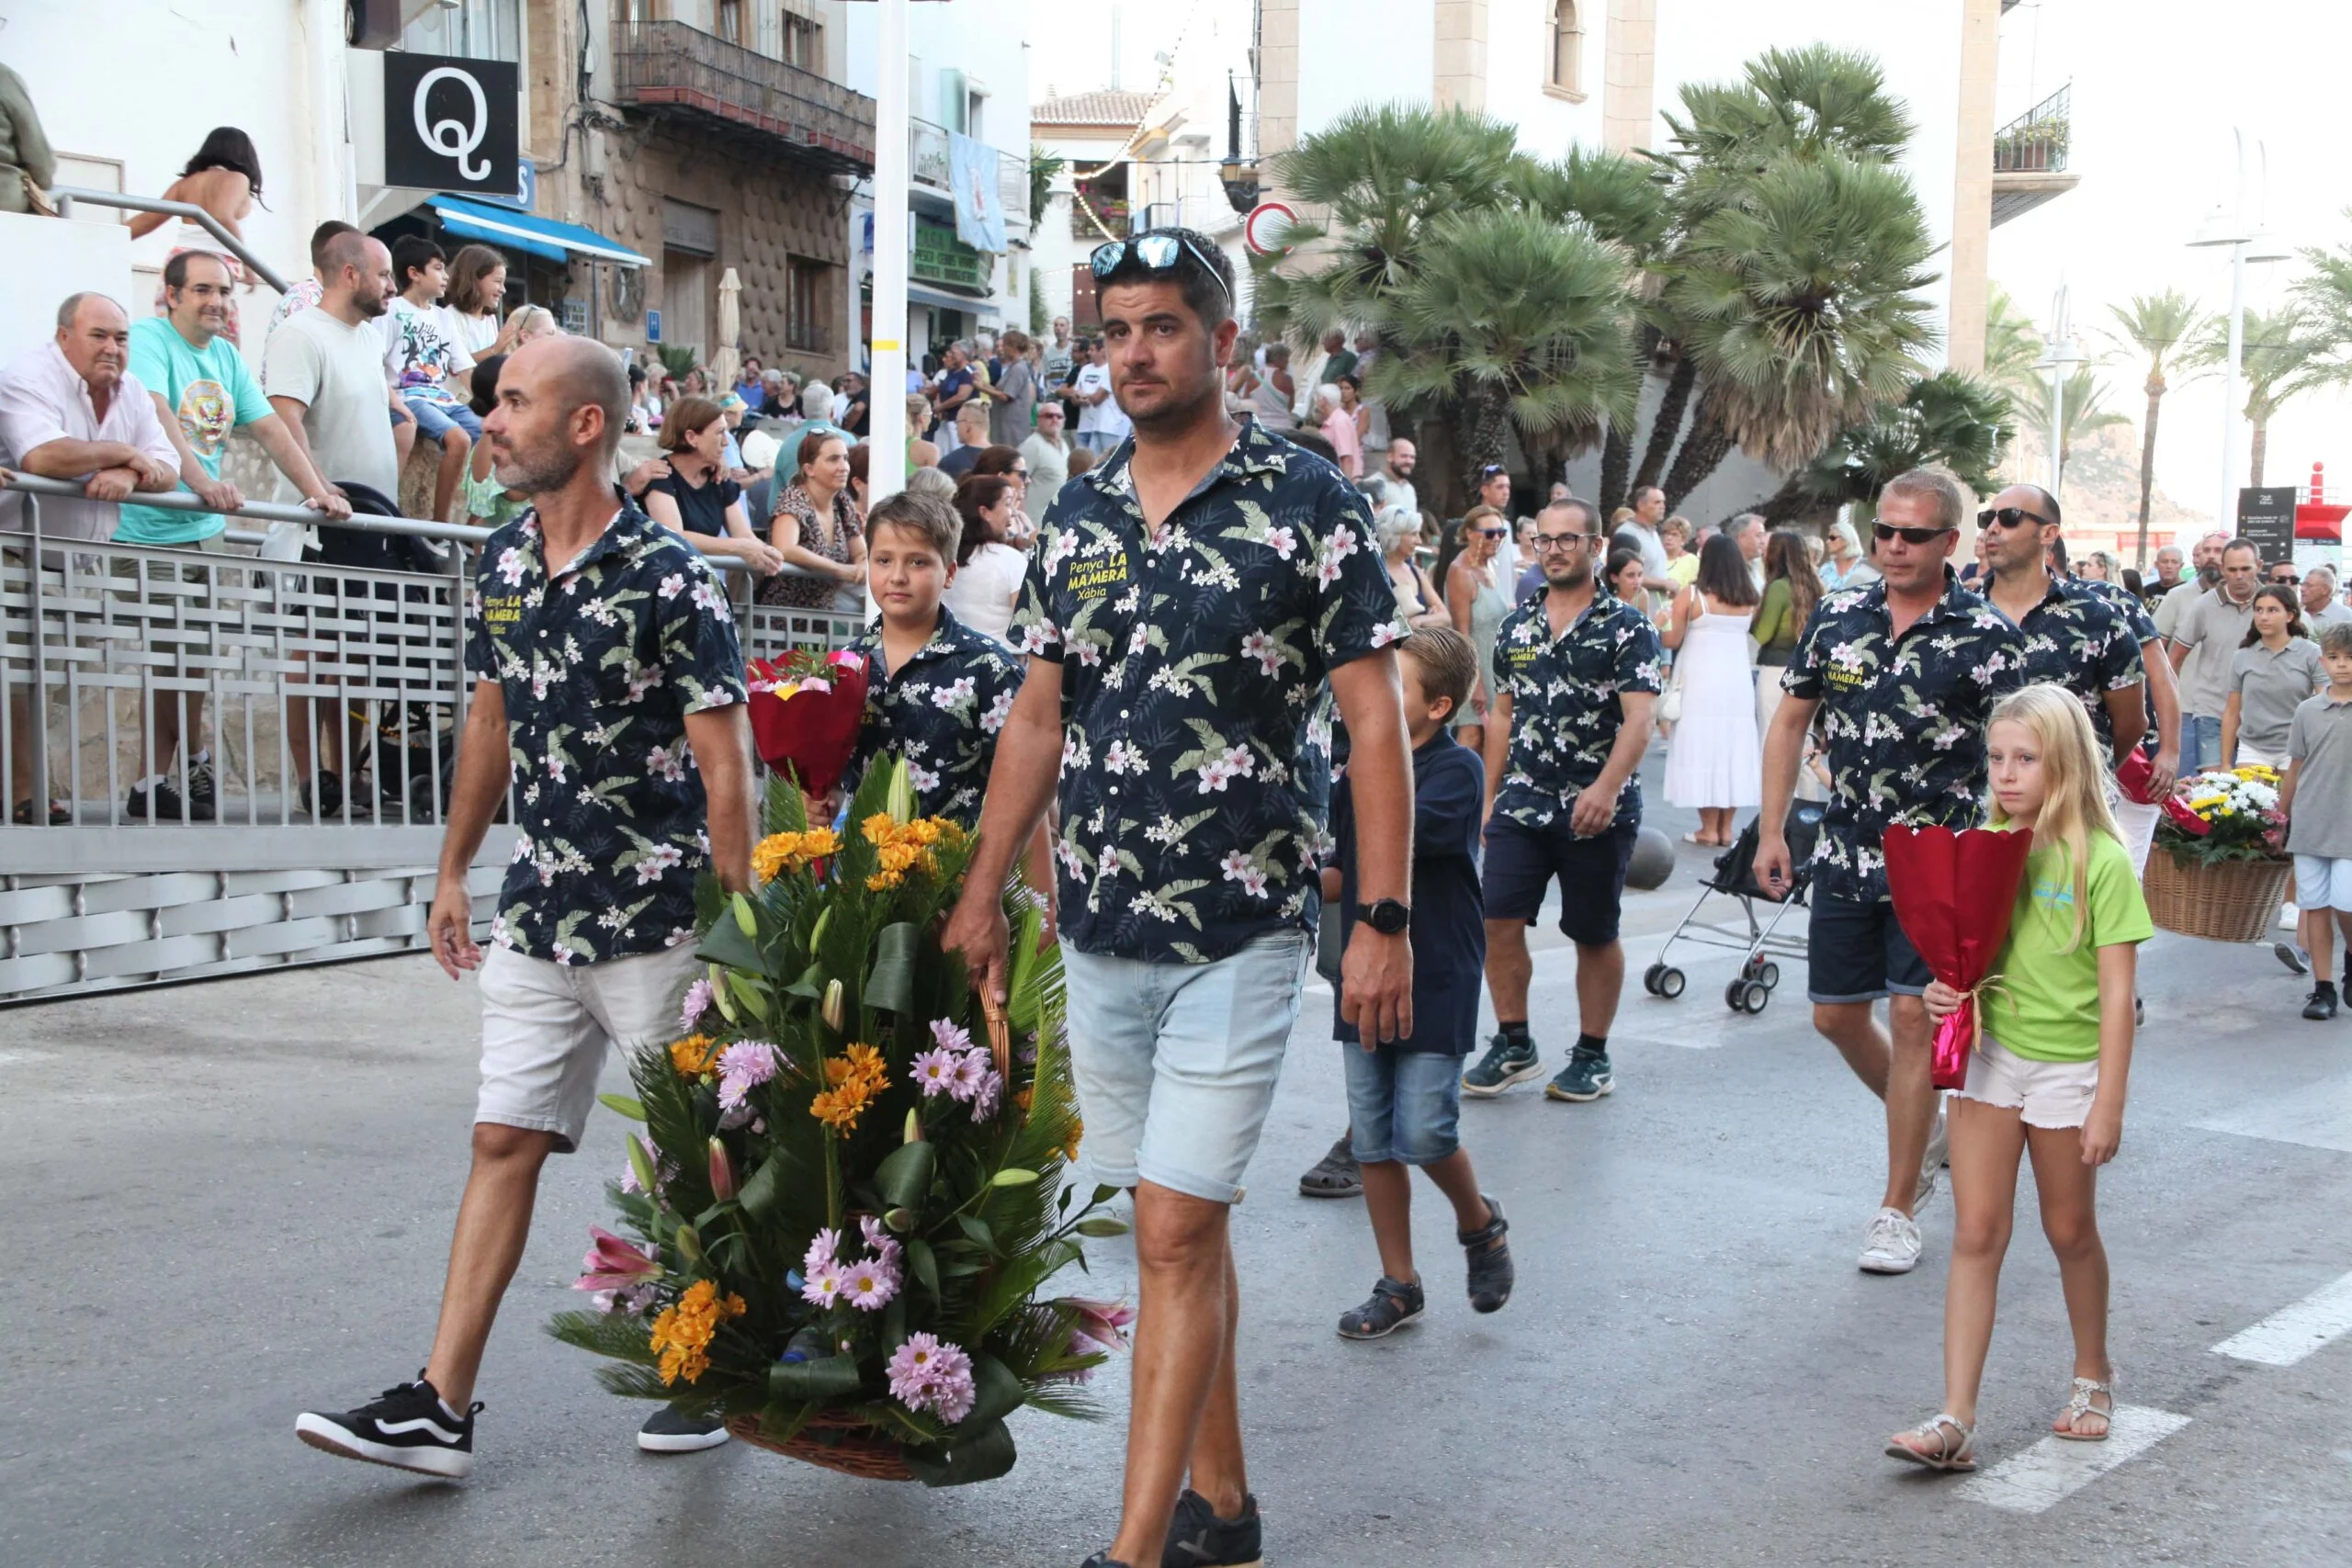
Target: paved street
{"type": "Point", "coordinates": [231, 1199]}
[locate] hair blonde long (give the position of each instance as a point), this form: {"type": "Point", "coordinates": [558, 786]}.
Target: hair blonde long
{"type": "Point", "coordinates": [2074, 783]}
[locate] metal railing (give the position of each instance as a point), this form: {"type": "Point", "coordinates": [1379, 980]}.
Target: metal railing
{"type": "Point", "coordinates": [288, 666]}
{"type": "Point", "coordinates": [66, 195]}
{"type": "Point", "coordinates": [2036, 141]}
{"type": "Point", "coordinates": [674, 66]}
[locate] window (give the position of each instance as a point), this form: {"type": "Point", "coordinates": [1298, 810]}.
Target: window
{"type": "Point", "coordinates": [805, 300]}
{"type": "Point", "coordinates": [730, 20]}
{"type": "Point", "coordinates": [1568, 49]}
{"type": "Point", "coordinates": [803, 43]}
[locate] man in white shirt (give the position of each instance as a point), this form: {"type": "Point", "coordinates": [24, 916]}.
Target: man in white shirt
{"type": "Point", "coordinates": [1047, 454]}
{"type": "Point", "coordinates": [2321, 606]}
{"type": "Point", "coordinates": [1395, 477]}
{"type": "Point", "coordinates": [71, 410]}
{"type": "Point", "coordinates": [1102, 424]}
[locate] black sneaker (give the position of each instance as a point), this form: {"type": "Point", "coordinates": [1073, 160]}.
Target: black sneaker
{"type": "Point", "coordinates": [1198, 1539]}
{"type": "Point", "coordinates": [203, 793]}
{"type": "Point", "coordinates": [2320, 1003]}
{"type": "Point", "coordinates": [405, 1426]}
{"type": "Point", "coordinates": [1103, 1559]}
{"type": "Point", "coordinates": [1336, 1175]}
{"type": "Point", "coordinates": [164, 804]}
{"type": "Point", "coordinates": [322, 797]}
{"type": "Point", "coordinates": [1587, 1077]}
{"type": "Point", "coordinates": [1505, 1063]}
{"type": "Point", "coordinates": [1393, 1304]}
{"type": "Point", "coordinates": [668, 1432]}
{"type": "Point", "coordinates": [1491, 1272]}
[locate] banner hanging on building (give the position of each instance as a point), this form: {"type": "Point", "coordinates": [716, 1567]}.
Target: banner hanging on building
{"type": "Point", "coordinates": [980, 206]}
{"type": "Point", "coordinates": [451, 124]}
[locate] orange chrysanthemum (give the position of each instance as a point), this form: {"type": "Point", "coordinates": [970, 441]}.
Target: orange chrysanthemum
{"type": "Point", "coordinates": [682, 1333]}
{"type": "Point", "coordinates": [694, 1055]}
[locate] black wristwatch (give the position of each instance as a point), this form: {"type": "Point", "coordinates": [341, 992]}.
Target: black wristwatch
{"type": "Point", "coordinates": [1386, 916]}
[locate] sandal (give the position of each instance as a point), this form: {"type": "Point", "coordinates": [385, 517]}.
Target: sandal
{"type": "Point", "coordinates": [1491, 1271]}
{"type": "Point", "coordinates": [59, 815]}
{"type": "Point", "coordinates": [1336, 1175]}
{"type": "Point", "coordinates": [1934, 1450]}
{"type": "Point", "coordinates": [2078, 1405]}
{"type": "Point", "coordinates": [1393, 1304]}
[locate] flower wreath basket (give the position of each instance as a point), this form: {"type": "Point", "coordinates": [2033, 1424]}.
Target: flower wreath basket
{"type": "Point", "coordinates": [2221, 870]}
{"type": "Point", "coordinates": [846, 1197]}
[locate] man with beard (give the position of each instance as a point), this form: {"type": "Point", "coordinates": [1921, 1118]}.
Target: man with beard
{"type": "Point", "coordinates": [588, 949]}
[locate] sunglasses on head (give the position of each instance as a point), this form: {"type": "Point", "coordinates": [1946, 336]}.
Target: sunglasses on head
{"type": "Point", "coordinates": [2006, 517]}
{"type": "Point", "coordinates": [1490, 470]}
{"type": "Point", "coordinates": [1153, 253]}
{"type": "Point", "coordinates": [1887, 534]}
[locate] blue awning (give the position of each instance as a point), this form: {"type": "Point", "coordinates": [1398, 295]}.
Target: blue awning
{"type": "Point", "coordinates": [532, 235]}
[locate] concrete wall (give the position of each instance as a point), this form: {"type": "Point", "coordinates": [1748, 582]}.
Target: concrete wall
{"type": "Point", "coordinates": [1360, 51]}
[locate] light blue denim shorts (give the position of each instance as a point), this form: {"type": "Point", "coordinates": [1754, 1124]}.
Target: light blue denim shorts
{"type": "Point", "coordinates": [1403, 1105]}
{"type": "Point", "coordinates": [1176, 1064]}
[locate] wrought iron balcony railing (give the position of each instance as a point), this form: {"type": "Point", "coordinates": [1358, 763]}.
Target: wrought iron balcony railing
{"type": "Point", "coordinates": [670, 67]}
{"type": "Point", "coordinates": [2036, 141]}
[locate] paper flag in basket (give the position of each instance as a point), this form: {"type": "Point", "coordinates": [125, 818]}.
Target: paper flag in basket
{"type": "Point", "coordinates": [1953, 894]}
{"type": "Point", "coordinates": [805, 713]}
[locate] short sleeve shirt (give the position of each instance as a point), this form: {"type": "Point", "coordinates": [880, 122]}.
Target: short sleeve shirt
{"type": "Point", "coordinates": [1191, 654]}
{"type": "Point", "coordinates": [210, 391]}
{"type": "Point", "coordinates": [2269, 686]}
{"type": "Point", "coordinates": [2211, 627]}
{"type": "Point", "coordinates": [2319, 742]}
{"type": "Point", "coordinates": [2045, 1006]}
{"type": "Point", "coordinates": [419, 351]}
{"type": "Point", "coordinates": [2079, 638]}
{"type": "Point", "coordinates": [1566, 707]}
{"type": "Point", "coordinates": [942, 710]}
{"type": "Point", "coordinates": [599, 666]}
{"type": "Point", "coordinates": [702, 508]}
{"type": "Point", "coordinates": [1903, 719]}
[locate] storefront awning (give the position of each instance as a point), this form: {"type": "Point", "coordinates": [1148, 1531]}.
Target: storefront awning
{"type": "Point", "coordinates": [532, 235]}
{"type": "Point", "coordinates": [918, 294]}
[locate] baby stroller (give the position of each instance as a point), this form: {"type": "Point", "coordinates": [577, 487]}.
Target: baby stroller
{"type": "Point", "coordinates": [1735, 877]}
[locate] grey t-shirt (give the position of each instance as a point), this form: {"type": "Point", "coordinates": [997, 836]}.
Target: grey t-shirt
{"type": "Point", "coordinates": [2211, 629]}
{"type": "Point", "coordinates": [2270, 686]}
{"type": "Point", "coordinates": [2176, 603]}
{"type": "Point", "coordinates": [2336, 612]}
{"type": "Point", "coordinates": [2319, 742]}
{"type": "Point", "coordinates": [337, 372]}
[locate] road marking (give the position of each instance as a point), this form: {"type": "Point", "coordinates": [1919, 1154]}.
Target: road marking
{"type": "Point", "coordinates": [2318, 1117]}
{"type": "Point", "coordinates": [2293, 1332]}
{"type": "Point", "coordinates": [2057, 1468]}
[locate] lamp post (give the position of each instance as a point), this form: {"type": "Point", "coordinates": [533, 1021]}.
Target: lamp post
{"type": "Point", "coordinates": [886, 391]}
{"type": "Point", "coordinates": [2247, 242]}
{"type": "Point", "coordinates": [2060, 361]}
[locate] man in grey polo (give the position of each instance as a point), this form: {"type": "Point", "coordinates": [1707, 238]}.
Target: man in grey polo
{"type": "Point", "coordinates": [2204, 640]}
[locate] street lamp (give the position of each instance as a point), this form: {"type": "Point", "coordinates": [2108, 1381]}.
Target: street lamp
{"type": "Point", "coordinates": [2060, 361]}
{"type": "Point", "coordinates": [2247, 242]}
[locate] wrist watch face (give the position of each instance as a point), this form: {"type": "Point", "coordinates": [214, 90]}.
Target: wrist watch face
{"type": "Point", "coordinates": [1387, 917]}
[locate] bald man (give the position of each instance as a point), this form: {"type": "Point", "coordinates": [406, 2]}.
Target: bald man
{"type": "Point", "coordinates": [584, 953]}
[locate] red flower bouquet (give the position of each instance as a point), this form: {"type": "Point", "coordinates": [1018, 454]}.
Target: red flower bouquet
{"type": "Point", "coordinates": [806, 708]}
{"type": "Point", "coordinates": [1953, 894]}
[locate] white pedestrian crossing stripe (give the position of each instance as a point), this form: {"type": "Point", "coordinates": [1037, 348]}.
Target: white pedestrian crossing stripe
{"type": "Point", "coordinates": [2318, 1116]}
{"type": "Point", "coordinates": [2057, 1468]}
{"type": "Point", "coordinates": [2293, 1332]}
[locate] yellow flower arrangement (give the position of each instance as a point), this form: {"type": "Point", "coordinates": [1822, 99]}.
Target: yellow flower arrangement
{"type": "Point", "coordinates": [683, 1331]}
{"type": "Point", "coordinates": [780, 853]}
{"type": "Point", "coordinates": [694, 1055]}
{"type": "Point", "coordinates": [856, 1077]}
{"type": "Point", "coordinates": [906, 846]}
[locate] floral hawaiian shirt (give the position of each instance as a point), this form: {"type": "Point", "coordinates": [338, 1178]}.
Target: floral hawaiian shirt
{"type": "Point", "coordinates": [941, 710]}
{"type": "Point", "coordinates": [600, 667]}
{"type": "Point", "coordinates": [1191, 655]}
{"type": "Point", "coordinates": [1564, 712]}
{"type": "Point", "coordinates": [2079, 638]}
{"type": "Point", "coordinates": [1904, 721]}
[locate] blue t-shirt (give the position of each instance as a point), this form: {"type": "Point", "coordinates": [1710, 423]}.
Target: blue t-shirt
{"type": "Point", "coordinates": [210, 391]}
{"type": "Point", "coordinates": [1449, 911]}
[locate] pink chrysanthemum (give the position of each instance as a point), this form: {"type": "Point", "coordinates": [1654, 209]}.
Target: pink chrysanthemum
{"type": "Point", "coordinates": [971, 1071]}
{"type": "Point", "coordinates": [825, 1284]}
{"type": "Point", "coordinates": [949, 1036]}
{"type": "Point", "coordinates": [825, 1249]}
{"type": "Point", "coordinates": [935, 1070]}
{"type": "Point", "coordinates": [742, 1066]}
{"type": "Point", "coordinates": [985, 1098]}
{"type": "Point", "coordinates": [697, 1002]}
{"type": "Point", "coordinates": [869, 1284]}
{"type": "Point", "coordinates": [926, 1373]}
{"type": "Point", "coordinates": [885, 1245]}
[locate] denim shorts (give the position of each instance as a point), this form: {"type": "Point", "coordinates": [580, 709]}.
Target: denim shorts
{"type": "Point", "coordinates": [1857, 953]}
{"type": "Point", "coordinates": [1403, 1105]}
{"type": "Point", "coordinates": [546, 1027]}
{"type": "Point", "coordinates": [434, 420]}
{"type": "Point", "coordinates": [1176, 1064]}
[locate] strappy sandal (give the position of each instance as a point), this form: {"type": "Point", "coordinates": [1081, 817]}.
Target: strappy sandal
{"type": "Point", "coordinates": [2078, 1405]}
{"type": "Point", "coordinates": [1938, 1451]}
{"type": "Point", "coordinates": [1336, 1175]}
{"type": "Point", "coordinates": [58, 814]}
{"type": "Point", "coordinates": [1393, 1304]}
{"type": "Point", "coordinates": [1492, 1274]}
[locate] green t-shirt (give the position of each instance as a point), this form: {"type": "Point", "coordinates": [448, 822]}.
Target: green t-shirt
{"type": "Point", "coordinates": [211, 392]}
{"type": "Point", "coordinates": [2046, 1006]}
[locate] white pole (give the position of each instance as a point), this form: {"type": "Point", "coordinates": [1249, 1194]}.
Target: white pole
{"type": "Point", "coordinates": [887, 405]}
{"type": "Point", "coordinates": [2225, 517]}
{"type": "Point", "coordinates": [2057, 424]}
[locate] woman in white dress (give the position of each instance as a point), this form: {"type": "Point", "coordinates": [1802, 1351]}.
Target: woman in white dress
{"type": "Point", "coordinates": [1714, 762]}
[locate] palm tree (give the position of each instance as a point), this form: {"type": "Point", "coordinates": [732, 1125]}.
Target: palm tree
{"type": "Point", "coordinates": [2325, 297]}
{"type": "Point", "coordinates": [1516, 322]}
{"type": "Point", "coordinates": [2012, 345]}
{"type": "Point", "coordinates": [2157, 325]}
{"type": "Point", "coordinates": [2285, 355]}
{"type": "Point", "coordinates": [1958, 421]}
{"type": "Point", "coordinates": [2082, 416]}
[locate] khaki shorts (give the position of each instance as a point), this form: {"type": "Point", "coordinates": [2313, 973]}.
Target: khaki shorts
{"type": "Point", "coordinates": [546, 1028]}
{"type": "Point", "coordinates": [197, 564]}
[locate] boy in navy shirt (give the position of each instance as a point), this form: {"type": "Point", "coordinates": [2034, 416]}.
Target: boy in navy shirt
{"type": "Point", "coordinates": [1404, 1099]}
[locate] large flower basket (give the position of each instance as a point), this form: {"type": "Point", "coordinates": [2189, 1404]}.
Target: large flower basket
{"type": "Point", "coordinates": [846, 1198]}
{"type": "Point", "coordinates": [2229, 900]}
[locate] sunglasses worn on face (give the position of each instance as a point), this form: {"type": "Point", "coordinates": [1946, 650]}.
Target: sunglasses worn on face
{"type": "Point", "coordinates": [1885, 533]}
{"type": "Point", "coordinates": [2008, 516]}
{"type": "Point", "coordinates": [1487, 533]}
{"type": "Point", "coordinates": [1153, 253]}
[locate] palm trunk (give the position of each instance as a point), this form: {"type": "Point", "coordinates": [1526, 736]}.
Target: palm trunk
{"type": "Point", "coordinates": [2148, 467]}
{"type": "Point", "coordinates": [1616, 459]}
{"type": "Point", "coordinates": [1785, 504]}
{"type": "Point", "coordinates": [2254, 452]}
{"type": "Point", "coordinates": [1485, 438]}
{"type": "Point", "coordinates": [1667, 425]}
{"type": "Point", "coordinates": [1703, 452]}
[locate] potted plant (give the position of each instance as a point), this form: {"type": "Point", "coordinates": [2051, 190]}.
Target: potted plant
{"type": "Point", "coordinates": [2220, 868]}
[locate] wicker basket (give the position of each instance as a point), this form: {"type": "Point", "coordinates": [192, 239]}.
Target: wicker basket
{"type": "Point", "coordinates": [851, 1447]}
{"type": "Point", "coordinates": [2232, 900]}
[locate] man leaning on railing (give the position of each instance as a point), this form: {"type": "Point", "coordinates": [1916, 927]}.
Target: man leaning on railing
{"type": "Point", "coordinates": [71, 410]}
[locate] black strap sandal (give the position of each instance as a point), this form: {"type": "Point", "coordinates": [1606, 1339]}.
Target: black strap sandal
{"type": "Point", "coordinates": [23, 815]}
{"type": "Point", "coordinates": [1336, 1175]}
{"type": "Point", "coordinates": [1393, 1304]}
{"type": "Point", "coordinates": [1491, 1271]}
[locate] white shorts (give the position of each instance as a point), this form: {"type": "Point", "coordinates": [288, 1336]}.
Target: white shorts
{"type": "Point", "coordinates": [2323, 884]}
{"type": "Point", "coordinates": [2046, 1094]}
{"type": "Point", "coordinates": [546, 1027]}
{"type": "Point", "coordinates": [2138, 825]}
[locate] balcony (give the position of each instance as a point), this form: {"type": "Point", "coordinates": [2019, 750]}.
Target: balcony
{"type": "Point", "coordinates": [927, 167]}
{"type": "Point", "coordinates": [2030, 158]}
{"type": "Point", "coordinates": [668, 68]}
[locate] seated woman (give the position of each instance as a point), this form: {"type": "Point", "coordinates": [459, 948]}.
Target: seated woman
{"type": "Point", "coordinates": [695, 497]}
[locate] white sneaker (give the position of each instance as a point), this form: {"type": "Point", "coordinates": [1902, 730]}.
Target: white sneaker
{"type": "Point", "coordinates": [1892, 1244]}
{"type": "Point", "coordinates": [1938, 1156]}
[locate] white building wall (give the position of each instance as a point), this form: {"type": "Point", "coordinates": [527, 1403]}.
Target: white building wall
{"type": "Point", "coordinates": [1360, 51]}
{"type": "Point", "coordinates": [1519, 62]}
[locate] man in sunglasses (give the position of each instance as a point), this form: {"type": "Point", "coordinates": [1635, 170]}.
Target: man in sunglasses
{"type": "Point", "coordinates": [1903, 674]}
{"type": "Point", "coordinates": [1188, 600]}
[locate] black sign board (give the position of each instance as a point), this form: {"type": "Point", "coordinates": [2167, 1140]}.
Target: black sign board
{"type": "Point", "coordinates": [450, 124]}
{"type": "Point", "coordinates": [2266, 516]}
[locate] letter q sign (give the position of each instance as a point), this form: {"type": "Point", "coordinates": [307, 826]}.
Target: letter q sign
{"type": "Point", "coordinates": [449, 124]}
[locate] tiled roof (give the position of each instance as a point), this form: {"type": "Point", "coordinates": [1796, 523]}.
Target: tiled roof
{"type": "Point", "coordinates": [1122, 109]}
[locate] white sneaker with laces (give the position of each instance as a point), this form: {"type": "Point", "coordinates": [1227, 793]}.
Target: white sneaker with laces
{"type": "Point", "coordinates": [1892, 1244]}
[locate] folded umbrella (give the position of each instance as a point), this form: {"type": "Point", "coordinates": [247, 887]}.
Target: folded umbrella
{"type": "Point", "coordinates": [1953, 894]}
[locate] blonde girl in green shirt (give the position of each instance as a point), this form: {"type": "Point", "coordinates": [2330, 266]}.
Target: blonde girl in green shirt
{"type": "Point", "coordinates": [2048, 1076]}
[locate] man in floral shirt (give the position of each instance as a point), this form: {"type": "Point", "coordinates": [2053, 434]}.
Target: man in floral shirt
{"type": "Point", "coordinates": [1188, 598]}
{"type": "Point", "coordinates": [1903, 672]}
{"type": "Point", "coordinates": [1577, 671]}
{"type": "Point", "coordinates": [608, 713]}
